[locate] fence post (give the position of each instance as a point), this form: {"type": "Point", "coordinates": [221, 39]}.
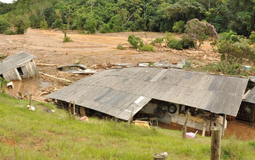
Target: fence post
{"type": "Point", "coordinates": [30, 99]}
{"type": "Point", "coordinates": [215, 144]}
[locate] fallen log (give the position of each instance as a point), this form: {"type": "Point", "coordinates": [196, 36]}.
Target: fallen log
{"type": "Point", "coordinates": [54, 77]}
{"type": "Point", "coordinates": [45, 64]}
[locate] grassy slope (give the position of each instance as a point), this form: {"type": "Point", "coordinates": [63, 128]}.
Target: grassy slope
{"type": "Point", "coordinates": [40, 135]}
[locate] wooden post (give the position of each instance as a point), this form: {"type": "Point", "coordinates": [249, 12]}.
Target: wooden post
{"type": "Point", "coordinates": [73, 108]}
{"type": "Point", "coordinates": [204, 128]}
{"type": "Point", "coordinates": [210, 126]}
{"type": "Point", "coordinates": [69, 108]}
{"type": "Point", "coordinates": [184, 127]}
{"type": "Point", "coordinates": [215, 144]}
{"type": "Point", "coordinates": [131, 115]}
{"type": "Point", "coordinates": [30, 99]}
{"type": "Point", "coordinates": [224, 123]}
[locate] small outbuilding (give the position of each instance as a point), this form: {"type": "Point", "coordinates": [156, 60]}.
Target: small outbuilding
{"type": "Point", "coordinates": [18, 67]}
{"type": "Point", "coordinates": [166, 94]}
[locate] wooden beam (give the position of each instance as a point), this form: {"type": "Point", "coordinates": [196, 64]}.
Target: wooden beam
{"type": "Point", "coordinates": [204, 128]}
{"type": "Point", "coordinates": [224, 123]}
{"type": "Point", "coordinates": [215, 144]}
{"type": "Point", "coordinates": [184, 127]}
{"type": "Point", "coordinates": [131, 115]}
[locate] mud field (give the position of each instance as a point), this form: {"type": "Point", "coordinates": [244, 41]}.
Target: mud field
{"type": "Point", "coordinates": [98, 52]}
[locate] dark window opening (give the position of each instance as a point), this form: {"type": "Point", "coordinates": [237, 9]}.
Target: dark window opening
{"type": "Point", "coordinates": [20, 71]}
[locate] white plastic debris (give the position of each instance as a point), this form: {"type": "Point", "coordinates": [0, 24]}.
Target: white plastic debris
{"type": "Point", "coordinates": [32, 108]}
{"type": "Point", "coordinates": [10, 85]}
{"type": "Point", "coordinates": [84, 119]}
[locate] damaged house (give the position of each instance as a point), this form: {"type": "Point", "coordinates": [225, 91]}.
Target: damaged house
{"type": "Point", "coordinates": [166, 94]}
{"type": "Point", "coordinates": [18, 67]}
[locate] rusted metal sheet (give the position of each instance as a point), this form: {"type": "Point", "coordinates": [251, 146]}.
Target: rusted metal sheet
{"type": "Point", "coordinates": [118, 91]}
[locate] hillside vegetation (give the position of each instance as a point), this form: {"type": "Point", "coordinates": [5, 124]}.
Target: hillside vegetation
{"type": "Point", "coordinates": [26, 134]}
{"type": "Point", "coordinates": [130, 15]}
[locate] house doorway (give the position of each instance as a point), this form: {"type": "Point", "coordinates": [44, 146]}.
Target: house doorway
{"type": "Point", "coordinates": [20, 71]}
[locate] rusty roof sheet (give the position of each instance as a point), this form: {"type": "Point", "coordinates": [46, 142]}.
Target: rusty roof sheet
{"type": "Point", "coordinates": [15, 61]}
{"type": "Point", "coordinates": [115, 92]}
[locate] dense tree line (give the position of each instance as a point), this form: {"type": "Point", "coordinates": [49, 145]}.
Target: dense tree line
{"type": "Point", "coordinates": [132, 15]}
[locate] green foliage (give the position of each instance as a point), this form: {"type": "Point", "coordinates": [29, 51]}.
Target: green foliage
{"type": "Point", "coordinates": [252, 37]}
{"type": "Point", "coordinates": [187, 42]}
{"type": "Point", "coordinates": [43, 24]}
{"type": "Point", "coordinates": [58, 23]}
{"type": "Point", "coordinates": [4, 25]}
{"type": "Point", "coordinates": [3, 82]}
{"type": "Point", "coordinates": [135, 42]}
{"type": "Point", "coordinates": [120, 47]}
{"type": "Point", "coordinates": [179, 26]}
{"type": "Point", "coordinates": [226, 35]}
{"type": "Point", "coordinates": [115, 16]}
{"type": "Point", "coordinates": [147, 47]}
{"type": "Point", "coordinates": [157, 41]}
{"type": "Point", "coordinates": [9, 32]}
{"type": "Point", "coordinates": [175, 44]}
{"type": "Point", "coordinates": [252, 144]}
{"type": "Point", "coordinates": [235, 50]}
{"type": "Point", "coordinates": [21, 24]}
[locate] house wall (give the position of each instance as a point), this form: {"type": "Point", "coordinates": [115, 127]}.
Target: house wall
{"type": "Point", "coordinates": [29, 70]}
{"type": "Point", "coordinates": [12, 75]}
{"type": "Point", "coordinates": [194, 122]}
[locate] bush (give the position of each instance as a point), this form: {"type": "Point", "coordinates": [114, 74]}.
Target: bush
{"type": "Point", "coordinates": [21, 24]}
{"type": "Point", "coordinates": [237, 50]}
{"type": "Point", "coordinates": [58, 23]}
{"type": "Point", "coordinates": [226, 35]}
{"type": "Point", "coordinates": [157, 41]}
{"type": "Point", "coordinates": [4, 25]}
{"type": "Point", "coordinates": [120, 46]}
{"type": "Point", "coordinates": [135, 42]}
{"type": "Point", "coordinates": [252, 37]}
{"type": "Point", "coordinates": [147, 47]}
{"type": "Point", "coordinates": [175, 44]}
{"type": "Point", "coordinates": [187, 42]}
{"type": "Point", "coordinates": [66, 38]}
{"type": "Point", "coordinates": [199, 31]}
{"type": "Point", "coordinates": [43, 24]}
{"type": "Point", "coordinates": [9, 32]}
{"type": "Point", "coordinates": [179, 26]}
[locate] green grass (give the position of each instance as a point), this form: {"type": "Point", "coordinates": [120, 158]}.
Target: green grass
{"type": "Point", "coordinates": [40, 135]}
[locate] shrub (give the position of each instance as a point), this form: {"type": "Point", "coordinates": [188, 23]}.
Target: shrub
{"type": "Point", "coordinates": [147, 47]}
{"type": "Point", "coordinates": [157, 41]}
{"type": "Point", "coordinates": [179, 26]}
{"type": "Point", "coordinates": [252, 37]}
{"type": "Point", "coordinates": [4, 25]}
{"type": "Point", "coordinates": [199, 31]}
{"type": "Point", "coordinates": [252, 144]}
{"type": "Point", "coordinates": [58, 23]}
{"type": "Point", "coordinates": [21, 24]}
{"type": "Point", "coordinates": [43, 24]}
{"type": "Point", "coordinates": [66, 38]}
{"type": "Point", "coordinates": [187, 42]}
{"type": "Point", "coordinates": [120, 46]}
{"type": "Point", "coordinates": [135, 42]}
{"type": "Point", "coordinates": [9, 32]}
{"type": "Point", "coordinates": [226, 35]}
{"type": "Point", "coordinates": [175, 44]}
{"type": "Point", "coordinates": [237, 50]}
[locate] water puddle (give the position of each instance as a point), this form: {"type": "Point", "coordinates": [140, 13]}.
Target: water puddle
{"type": "Point", "coordinates": [27, 85]}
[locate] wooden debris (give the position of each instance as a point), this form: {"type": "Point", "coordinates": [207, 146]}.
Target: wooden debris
{"type": "Point", "coordinates": [54, 77]}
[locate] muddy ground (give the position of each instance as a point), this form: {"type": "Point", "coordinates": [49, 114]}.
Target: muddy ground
{"type": "Point", "coordinates": [98, 52]}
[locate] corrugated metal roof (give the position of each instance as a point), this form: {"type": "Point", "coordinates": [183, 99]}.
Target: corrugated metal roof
{"type": "Point", "coordinates": [115, 92]}
{"type": "Point", "coordinates": [15, 61]}
{"type": "Point", "coordinates": [250, 96]}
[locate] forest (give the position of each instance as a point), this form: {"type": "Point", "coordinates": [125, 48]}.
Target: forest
{"type": "Point", "coordinates": [104, 16]}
